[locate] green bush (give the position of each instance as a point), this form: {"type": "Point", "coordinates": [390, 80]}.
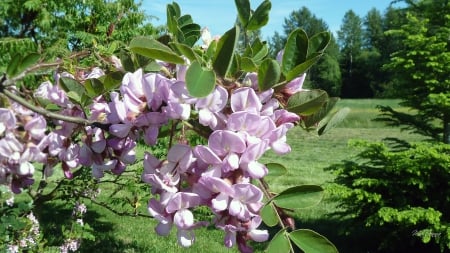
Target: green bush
{"type": "Point", "coordinates": [400, 192]}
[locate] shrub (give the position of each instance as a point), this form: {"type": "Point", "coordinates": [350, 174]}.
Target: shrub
{"type": "Point", "coordinates": [402, 192]}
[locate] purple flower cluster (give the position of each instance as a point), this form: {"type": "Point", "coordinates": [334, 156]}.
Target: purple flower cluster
{"type": "Point", "coordinates": [244, 124]}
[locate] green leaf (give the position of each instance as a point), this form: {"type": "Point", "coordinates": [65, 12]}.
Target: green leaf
{"type": "Point", "coordinates": [52, 107]}
{"type": "Point", "coordinates": [127, 60]}
{"type": "Point", "coordinates": [259, 50]}
{"type": "Point", "coordinates": [314, 118]}
{"type": "Point", "coordinates": [184, 50]}
{"type": "Point", "coordinates": [337, 118]}
{"type": "Point", "coordinates": [152, 66]}
{"type": "Point", "coordinates": [73, 96]}
{"type": "Point", "coordinates": [73, 87]}
{"type": "Point", "coordinates": [244, 11]}
{"type": "Point", "coordinates": [13, 65]}
{"type": "Point", "coordinates": [225, 50]}
{"type": "Point", "coordinates": [211, 50]}
{"type": "Point", "coordinates": [268, 215]}
{"type": "Point", "coordinates": [260, 17]}
{"type": "Point", "coordinates": [301, 68]}
{"type": "Point", "coordinates": [311, 242]}
{"type": "Point", "coordinates": [112, 80]}
{"type": "Point", "coordinates": [185, 20]}
{"type": "Point", "coordinates": [248, 65]}
{"type": "Point", "coordinates": [268, 74]}
{"type": "Point", "coordinates": [154, 49]}
{"type": "Point", "coordinates": [279, 243]}
{"type": "Point", "coordinates": [318, 42]}
{"type": "Point", "coordinates": [276, 169]}
{"type": "Point", "coordinates": [307, 102]}
{"type": "Point", "coordinates": [94, 87]}
{"type": "Point", "coordinates": [295, 50]}
{"type": "Point", "coordinates": [200, 82]}
{"type": "Point", "coordinates": [173, 13]}
{"type": "Point", "coordinates": [302, 196]}
{"type": "Point", "coordinates": [28, 61]}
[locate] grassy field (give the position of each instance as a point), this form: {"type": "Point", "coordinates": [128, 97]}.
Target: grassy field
{"type": "Point", "coordinates": [310, 155]}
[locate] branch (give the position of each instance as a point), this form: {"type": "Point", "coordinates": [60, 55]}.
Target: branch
{"type": "Point", "coordinates": [12, 81]}
{"type": "Point", "coordinates": [107, 207]}
{"type": "Point", "coordinates": [49, 114]}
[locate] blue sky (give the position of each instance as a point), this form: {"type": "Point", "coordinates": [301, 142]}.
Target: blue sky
{"type": "Point", "coordinates": [219, 15]}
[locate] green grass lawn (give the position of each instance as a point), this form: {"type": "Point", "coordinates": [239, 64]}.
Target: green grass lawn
{"type": "Point", "coordinates": [310, 155]}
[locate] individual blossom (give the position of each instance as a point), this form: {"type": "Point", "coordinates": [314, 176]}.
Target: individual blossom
{"type": "Point", "coordinates": [228, 146]}
{"type": "Point", "coordinates": [246, 201]}
{"type": "Point", "coordinates": [245, 99]}
{"type": "Point", "coordinates": [183, 218]}
{"type": "Point", "coordinates": [179, 101]}
{"type": "Point", "coordinates": [7, 120]}
{"type": "Point", "coordinates": [211, 106]}
{"type": "Point", "coordinates": [165, 176]}
{"type": "Point", "coordinates": [294, 86]}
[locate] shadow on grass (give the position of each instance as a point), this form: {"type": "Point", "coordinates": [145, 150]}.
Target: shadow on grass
{"type": "Point", "coordinates": [349, 237]}
{"type": "Point", "coordinates": [53, 216]}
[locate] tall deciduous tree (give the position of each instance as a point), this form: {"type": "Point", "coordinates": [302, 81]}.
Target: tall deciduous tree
{"type": "Point", "coordinates": [326, 73]}
{"type": "Point", "coordinates": [421, 69]}
{"type": "Point", "coordinates": [59, 26]}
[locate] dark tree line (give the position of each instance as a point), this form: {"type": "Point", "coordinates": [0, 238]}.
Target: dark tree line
{"type": "Point", "coordinates": [353, 64]}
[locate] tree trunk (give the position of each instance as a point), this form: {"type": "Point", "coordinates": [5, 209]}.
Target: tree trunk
{"type": "Point", "coordinates": [446, 122]}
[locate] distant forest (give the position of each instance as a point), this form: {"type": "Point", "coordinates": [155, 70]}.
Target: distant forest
{"type": "Point", "coordinates": [357, 63]}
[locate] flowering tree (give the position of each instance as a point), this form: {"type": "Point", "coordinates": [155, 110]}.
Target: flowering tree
{"type": "Point", "coordinates": [242, 104]}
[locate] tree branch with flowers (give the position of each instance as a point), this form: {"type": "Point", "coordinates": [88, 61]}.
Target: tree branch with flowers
{"type": "Point", "coordinates": [242, 101]}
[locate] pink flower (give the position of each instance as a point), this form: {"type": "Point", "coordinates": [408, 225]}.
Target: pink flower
{"type": "Point", "coordinates": [245, 99]}
{"type": "Point", "coordinates": [211, 105]}
{"type": "Point", "coordinates": [7, 120]}
{"type": "Point", "coordinates": [246, 201]}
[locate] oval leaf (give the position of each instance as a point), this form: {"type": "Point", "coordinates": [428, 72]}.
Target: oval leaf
{"type": "Point", "coordinates": [268, 215]}
{"type": "Point", "coordinates": [268, 74]}
{"type": "Point", "coordinates": [154, 49]}
{"type": "Point", "coordinates": [302, 196]}
{"type": "Point", "coordinates": [248, 65]}
{"type": "Point", "coordinates": [301, 68]}
{"type": "Point", "coordinates": [276, 169]}
{"type": "Point", "coordinates": [94, 87]}
{"type": "Point", "coordinates": [307, 102]}
{"type": "Point", "coordinates": [185, 50]}
{"type": "Point", "coordinates": [13, 65]}
{"type": "Point", "coordinates": [225, 51]}
{"type": "Point", "coordinates": [337, 118]}
{"type": "Point", "coordinates": [76, 89]}
{"type": "Point", "coordinates": [243, 9]}
{"type": "Point", "coordinates": [316, 117]}
{"type": "Point", "coordinates": [280, 243]}
{"type": "Point", "coordinates": [199, 82]}
{"type": "Point", "coordinates": [28, 61]}
{"type": "Point", "coordinates": [295, 50]}
{"type": "Point", "coordinates": [260, 17]}
{"type": "Point", "coordinates": [318, 42]}
{"type": "Point", "coordinates": [311, 242]}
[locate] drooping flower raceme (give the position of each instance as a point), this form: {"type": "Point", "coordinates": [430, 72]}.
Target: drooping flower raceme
{"type": "Point", "coordinates": [244, 124]}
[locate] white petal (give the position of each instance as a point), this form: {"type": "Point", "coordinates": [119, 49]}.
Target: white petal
{"type": "Point", "coordinates": [259, 235]}
{"type": "Point", "coordinates": [185, 237]}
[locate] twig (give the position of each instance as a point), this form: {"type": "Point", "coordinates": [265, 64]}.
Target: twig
{"type": "Point", "coordinates": [107, 207]}
{"type": "Point", "coordinates": [49, 114]}
{"type": "Point", "coordinates": [12, 81]}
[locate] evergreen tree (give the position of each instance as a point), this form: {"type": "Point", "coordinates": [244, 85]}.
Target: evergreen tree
{"type": "Point", "coordinates": [421, 70]}
{"type": "Point", "coordinates": [350, 40]}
